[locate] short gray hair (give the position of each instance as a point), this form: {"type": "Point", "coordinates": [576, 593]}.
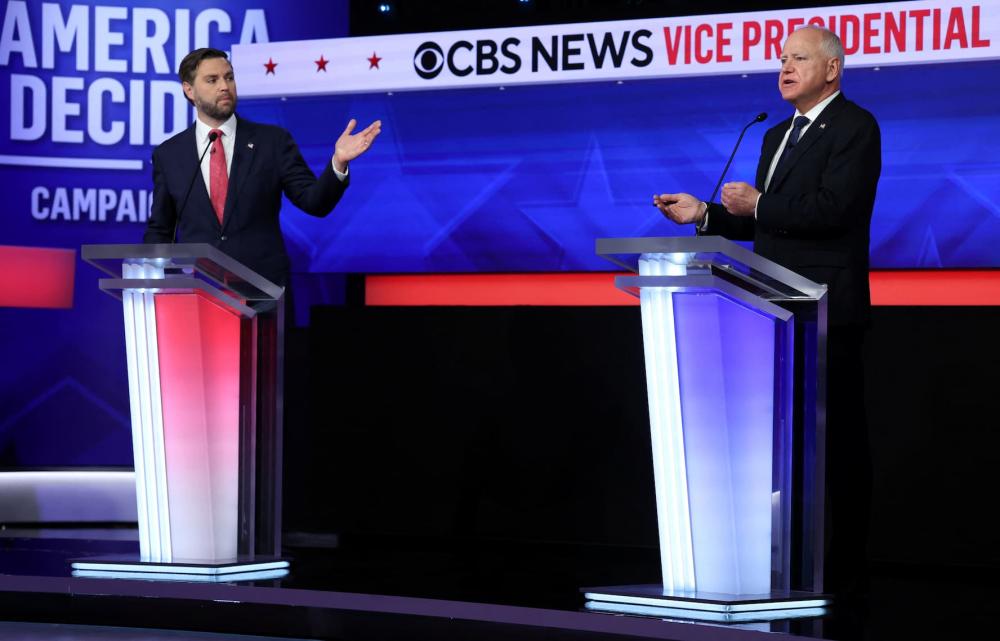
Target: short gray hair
{"type": "Point", "coordinates": [830, 43]}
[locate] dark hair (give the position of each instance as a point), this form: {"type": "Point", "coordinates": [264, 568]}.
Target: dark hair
{"type": "Point", "coordinates": [189, 65]}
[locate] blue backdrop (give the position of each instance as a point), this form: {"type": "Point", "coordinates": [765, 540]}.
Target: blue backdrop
{"type": "Point", "coordinates": [524, 178]}
{"type": "Point", "coordinates": [516, 179]}
{"type": "Point", "coordinates": [63, 386]}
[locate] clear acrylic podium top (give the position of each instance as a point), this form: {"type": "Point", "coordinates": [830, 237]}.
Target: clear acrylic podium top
{"type": "Point", "coordinates": [691, 258]}
{"type": "Point", "coordinates": [184, 267]}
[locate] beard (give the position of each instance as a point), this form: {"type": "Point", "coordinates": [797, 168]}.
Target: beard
{"type": "Point", "coordinates": [213, 110]}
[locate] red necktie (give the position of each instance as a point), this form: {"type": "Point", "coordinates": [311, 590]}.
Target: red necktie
{"type": "Point", "coordinates": [218, 176]}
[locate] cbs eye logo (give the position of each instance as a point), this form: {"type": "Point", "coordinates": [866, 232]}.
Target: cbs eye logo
{"type": "Point", "coordinates": [428, 60]}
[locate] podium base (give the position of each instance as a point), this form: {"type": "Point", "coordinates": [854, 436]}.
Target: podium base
{"type": "Point", "coordinates": [653, 600]}
{"type": "Point", "coordinates": [131, 567]}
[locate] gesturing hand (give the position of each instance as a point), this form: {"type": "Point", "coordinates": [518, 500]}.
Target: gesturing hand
{"type": "Point", "coordinates": [349, 146]}
{"type": "Point", "coordinates": [680, 208]}
{"type": "Point", "coordinates": [740, 198]}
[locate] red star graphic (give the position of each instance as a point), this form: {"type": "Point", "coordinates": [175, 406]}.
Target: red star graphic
{"type": "Point", "coordinates": [373, 61]}
{"type": "Point", "coordinates": [270, 65]}
{"type": "Point", "coordinates": [321, 64]}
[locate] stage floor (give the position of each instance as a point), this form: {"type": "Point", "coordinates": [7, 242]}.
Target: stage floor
{"type": "Point", "coordinates": [394, 588]}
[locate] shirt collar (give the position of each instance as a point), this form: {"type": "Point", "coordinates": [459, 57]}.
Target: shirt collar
{"type": "Point", "coordinates": [201, 130]}
{"type": "Point", "coordinates": [813, 113]}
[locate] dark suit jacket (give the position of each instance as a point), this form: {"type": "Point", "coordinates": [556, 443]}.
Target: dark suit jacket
{"type": "Point", "coordinates": [815, 217]}
{"type": "Point", "coordinates": [266, 162]}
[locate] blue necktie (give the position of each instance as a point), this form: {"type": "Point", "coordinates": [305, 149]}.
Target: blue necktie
{"type": "Point", "coordinates": [793, 138]}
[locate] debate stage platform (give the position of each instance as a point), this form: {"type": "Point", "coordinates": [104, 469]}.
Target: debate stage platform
{"type": "Point", "coordinates": [529, 484]}
{"type": "Point", "coordinates": [412, 588]}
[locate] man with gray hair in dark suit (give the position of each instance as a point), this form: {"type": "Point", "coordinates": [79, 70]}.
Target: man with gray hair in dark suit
{"type": "Point", "coordinates": [810, 210]}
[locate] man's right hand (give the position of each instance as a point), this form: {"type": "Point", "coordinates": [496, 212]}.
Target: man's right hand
{"type": "Point", "coordinates": [349, 146]}
{"type": "Point", "coordinates": [681, 208]}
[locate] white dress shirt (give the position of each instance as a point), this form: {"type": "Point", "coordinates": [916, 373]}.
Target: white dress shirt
{"type": "Point", "coordinates": [228, 128]}
{"type": "Point", "coordinates": [201, 131]}
{"type": "Point", "coordinates": [812, 115]}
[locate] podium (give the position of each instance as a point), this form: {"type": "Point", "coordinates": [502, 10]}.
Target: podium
{"type": "Point", "coordinates": [734, 350]}
{"type": "Point", "coordinates": [204, 348]}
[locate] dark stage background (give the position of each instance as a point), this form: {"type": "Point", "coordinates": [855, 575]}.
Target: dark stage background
{"type": "Point", "coordinates": [529, 425]}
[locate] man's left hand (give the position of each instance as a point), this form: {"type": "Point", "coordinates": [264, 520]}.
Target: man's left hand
{"type": "Point", "coordinates": [740, 199]}
{"type": "Point", "coordinates": [350, 145]}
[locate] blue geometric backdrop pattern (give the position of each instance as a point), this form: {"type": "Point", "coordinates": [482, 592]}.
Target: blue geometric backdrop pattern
{"type": "Point", "coordinates": [524, 178]}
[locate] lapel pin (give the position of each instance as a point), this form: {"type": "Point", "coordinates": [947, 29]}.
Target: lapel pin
{"type": "Point", "coordinates": [250, 146]}
{"type": "Point", "coordinates": [822, 125]}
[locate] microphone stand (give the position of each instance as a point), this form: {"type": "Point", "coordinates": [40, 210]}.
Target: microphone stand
{"type": "Point", "coordinates": [762, 116]}
{"type": "Point", "coordinates": [177, 221]}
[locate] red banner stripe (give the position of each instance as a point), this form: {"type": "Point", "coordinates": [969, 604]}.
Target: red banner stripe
{"type": "Point", "coordinates": [36, 277]}
{"type": "Point", "coordinates": [916, 288]}
{"type": "Point", "coordinates": [554, 289]}
{"type": "Point", "coordinates": [936, 287]}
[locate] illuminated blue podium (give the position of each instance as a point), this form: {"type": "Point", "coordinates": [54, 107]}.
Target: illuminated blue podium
{"type": "Point", "coordinates": [735, 371]}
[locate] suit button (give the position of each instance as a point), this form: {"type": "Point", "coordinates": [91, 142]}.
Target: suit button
{"type": "Point", "coordinates": [222, 237]}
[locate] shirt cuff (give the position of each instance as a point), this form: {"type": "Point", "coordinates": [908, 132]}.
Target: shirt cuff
{"type": "Point", "coordinates": [704, 221]}
{"type": "Point", "coordinates": [340, 176]}
{"type": "Point", "coordinates": [755, 205]}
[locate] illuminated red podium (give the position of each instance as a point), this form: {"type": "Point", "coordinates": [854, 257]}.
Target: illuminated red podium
{"type": "Point", "coordinates": [204, 346]}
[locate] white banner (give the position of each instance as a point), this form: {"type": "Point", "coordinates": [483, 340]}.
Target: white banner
{"type": "Point", "coordinates": [873, 35]}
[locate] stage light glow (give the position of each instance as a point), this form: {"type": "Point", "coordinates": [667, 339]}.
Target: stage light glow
{"type": "Point", "coordinates": [200, 384]}
{"type": "Point", "coordinates": [37, 477]}
{"type": "Point", "coordinates": [141, 354]}
{"type": "Point", "coordinates": [707, 606]}
{"type": "Point", "coordinates": [666, 428]}
{"type": "Point", "coordinates": [149, 569]}
{"type": "Point", "coordinates": [170, 576]}
{"type": "Point", "coordinates": [138, 452]}
{"type": "Point", "coordinates": [154, 271]}
{"type": "Point", "coordinates": [711, 457]}
{"type": "Point", "coordinates": [248, 571]}
{"type": "Point", "coordinates": [698, 615]}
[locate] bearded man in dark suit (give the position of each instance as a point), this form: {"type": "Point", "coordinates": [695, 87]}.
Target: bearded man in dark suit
{"type": "Point", "coordinates": [810, 210]}
{"type": "Point", "coordinates": [235, 204]}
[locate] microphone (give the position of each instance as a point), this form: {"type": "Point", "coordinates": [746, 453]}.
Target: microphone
{"type": "Point", "coordinates": [177, 221]}
{"type": "Point", "coordinates": [761, 117]}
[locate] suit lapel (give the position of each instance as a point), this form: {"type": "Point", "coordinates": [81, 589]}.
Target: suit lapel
{"type": "Point", "coordinates": [198, 200]}
{"type": "Point", "coordinates": [243, 158]}
{"type": "Point", "coordinates": [771, 144]}
{"type": "Point", "coordinates": [813, 134]}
